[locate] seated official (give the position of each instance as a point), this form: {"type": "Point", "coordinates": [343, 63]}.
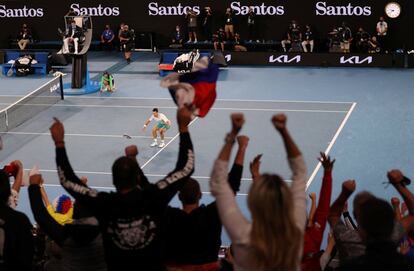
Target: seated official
{"type": "Point", "coordinates": [73, 34]}
{"type": "Point", "coordinates": [24, 37]}
{"type": "Point", "coordinates": [308, 39]}
{"type": "Point", "coordinates": [238, 44]}
{"type": "Point", "coordinates": [294, 36]}
{"type": "Point", "coordinates": [218, 39]}
{"type": "Point", "coordinates": [177, 37]}
{"type": "Point", "coordinates": [373, 46]}
{"type": "Point", "coordinates": [107, 38]}
{"type": "Point", "coordinates": [361, 39]}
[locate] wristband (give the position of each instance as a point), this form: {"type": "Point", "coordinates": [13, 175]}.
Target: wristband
{"type": "Point", "coordinates": [59, 142]}
{"type": "Point", "coordinates": [145, 126]}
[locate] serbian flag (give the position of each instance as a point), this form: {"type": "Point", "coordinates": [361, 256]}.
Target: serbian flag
{"type": "Point", "coordinates": [197, 88]}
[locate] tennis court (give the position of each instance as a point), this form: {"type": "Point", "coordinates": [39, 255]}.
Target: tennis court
{"type": "Point", "coordinates": [320, 119]}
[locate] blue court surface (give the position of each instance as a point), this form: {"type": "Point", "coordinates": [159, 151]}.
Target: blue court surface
{"type": "Point", "coordinates": [362, 117]}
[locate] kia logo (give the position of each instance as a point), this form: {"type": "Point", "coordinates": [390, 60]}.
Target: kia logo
{"type": "Point", "coordinates": [355, 60]}
{"type": "Point", "coordinates": [284, 59]}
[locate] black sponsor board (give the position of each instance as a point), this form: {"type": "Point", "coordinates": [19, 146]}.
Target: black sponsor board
{"type": "Point", "coordinates": [308, 59]}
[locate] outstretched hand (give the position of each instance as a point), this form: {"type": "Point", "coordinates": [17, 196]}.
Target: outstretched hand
{"type": "Point", "coordinates": [395, 176]}
{"type": "Point", "coordinates": [243, 141]}
{"type": "Point", "coordinates": [279, 121]}
{"type": "Point", "coordinates": [36, 179]}
{"type": "Point", "coordinates": [326, 161]}
{"type": "Point", "coordinates": [255, 167]}
{"type": "Point", "coordinates": [237, 121]}
{"type": "Point", "coordinates": [349, 186]}
{"type": "Point", "coordinates": [57, 131]}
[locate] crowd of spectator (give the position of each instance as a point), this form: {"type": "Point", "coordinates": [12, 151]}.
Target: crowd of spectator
{"type": "Point", "coordinates": [134, 228]}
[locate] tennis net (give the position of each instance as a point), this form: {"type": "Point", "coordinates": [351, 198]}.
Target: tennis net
{"type": "Point", "coordinates": [32, 104]}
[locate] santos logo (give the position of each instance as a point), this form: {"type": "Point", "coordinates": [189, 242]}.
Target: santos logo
{"type": "Point", "coordinates": [154, 9]}
{"type": "Point", "coordinates": [95, 11]}
{"type": "Point", "coordinates": [355, 60]}
{"type": "Point", "coordinates": [24, 12]}
{"type": "Point", "coordinates": [284, 59]}
{"type": "Point", "coordinates": [349, 10]}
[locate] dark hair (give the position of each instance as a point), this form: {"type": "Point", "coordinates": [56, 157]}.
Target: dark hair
{"type": "Point", "coordinates": [4, 187]}
{"type": "Point", "coordinates": [190, 192]}
{"type": "Point", "coordinates": [155, 110]}
{"type": "Point", "coordinates": [377, 219]}
{"type": "Point", "coordinates": [125, 173]}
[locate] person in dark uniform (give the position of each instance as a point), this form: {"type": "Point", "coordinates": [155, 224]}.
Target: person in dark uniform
{"type": "Point", "coordinates": [308, 39]}
{"type": "Point", "coordinates": [294, 35]}
{"type": "Point", "coordinates": [127, 42]}
{"type": "Point", "coordinates": [228, 25]}
{"type": "Point", "coordinates": [218, 39]}
{"type": "Point", "coordinates": [251, 24]}
{"type": "Point", "coordinates": [191, 17]}
{"type": "Point", "coordinates": [207, 24]}
{"type": "Point", "coordinates": [73, 34]}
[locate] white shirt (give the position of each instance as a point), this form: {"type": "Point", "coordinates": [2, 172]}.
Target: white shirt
{"type": "Point", "coordinates": [161, 117]}
{"type": "Point", "coordinates": [382, 28]}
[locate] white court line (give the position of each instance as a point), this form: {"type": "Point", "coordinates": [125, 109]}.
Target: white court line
{"type": "Point", "coordinates": [158, 152]}
{"type": "Point", "coordinates": [222, 100]}
{"type": "Point", "coordinates": [175, 107]}
{"type": "Point", "coordinates": [80, 135]}
{"type": "Point", "coordinates": [328, 149]}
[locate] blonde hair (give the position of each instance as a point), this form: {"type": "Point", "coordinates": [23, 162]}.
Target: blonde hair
{"type": "Point", "coordinates": [275, 239]}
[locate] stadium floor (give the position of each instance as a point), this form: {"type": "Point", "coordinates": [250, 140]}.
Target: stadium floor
{"type": "Point", "coordinates": [363, 116]}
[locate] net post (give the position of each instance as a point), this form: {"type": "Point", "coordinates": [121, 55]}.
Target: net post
{"type": "Point", "coordinates": [62, 97]}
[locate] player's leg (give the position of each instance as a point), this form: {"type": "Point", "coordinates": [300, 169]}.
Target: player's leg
{"type": "Point", "coordinates": [154, 136]}
{"type": "Point", "coordinates": [162, 135]}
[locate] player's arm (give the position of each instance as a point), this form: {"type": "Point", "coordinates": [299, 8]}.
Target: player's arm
{"type": "Point", "coordinates": [146, 123]}
{"type": "Point", "coordinates": [166, 188]}
{"type": "Point", "coordinates": [68, 179]}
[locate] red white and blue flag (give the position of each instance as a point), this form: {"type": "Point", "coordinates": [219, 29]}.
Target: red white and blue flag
{"type": "Point", "coordinates": [197, 88]}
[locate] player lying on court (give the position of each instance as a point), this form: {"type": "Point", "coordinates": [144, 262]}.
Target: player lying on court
{"type": "Point", "coordinates": [163, 124]}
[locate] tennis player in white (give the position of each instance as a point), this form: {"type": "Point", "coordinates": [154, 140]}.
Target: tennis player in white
{"type": "Point", "coordinates": [163, 124]}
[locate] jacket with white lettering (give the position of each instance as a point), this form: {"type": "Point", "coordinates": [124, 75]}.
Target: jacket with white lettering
{"type": "Point", "coordinates": [130, 223]}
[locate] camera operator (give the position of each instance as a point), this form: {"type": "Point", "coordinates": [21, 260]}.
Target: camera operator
{"type": "Point", "coordinates": [294, 36]}
{"type": "Point", "coordinates": [346, 37]}
{"type": "Point", "coordinates": [126, 38]}
{"type": "Point", "coordinates": [229, 24]}
{"type": "Point", "coordinates": [251, 24]}
{"type": "Point", "coordinates": [191, 17]}
{"type": "Point", "coordinates": [207, 24]}
{"type": "Point", "coordinates": [308, 39]}
{"type": "Point", "coordinates": [362, 38]}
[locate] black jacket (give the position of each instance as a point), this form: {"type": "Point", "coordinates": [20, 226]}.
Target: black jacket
{"type": "Point", "coordinates": [18, 240]}
{"type": "Point", "coordinates": [195, 238]}
{"type": "Point", "coordinates": [77, 32]}
{"type": "Point", "coordinates": [130, 223]}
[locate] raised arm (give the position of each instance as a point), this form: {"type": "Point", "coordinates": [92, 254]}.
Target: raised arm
{"type": "Point", "coordinates": [397, 179]}
{"type": "Point", "coordinates": [298, 167]}
{"type": "Point", "coordinates": [322, 211]}
{"type": "Point", "coordinates": [68, 179]}
{"type": "Point", "coordinates": [230, 214]}
{"type": "Point", "coordinates": [52, 228]}
{"type": "Point", "coordinates": [168, 187]}
{"type": "Point", "coordinates": [236, 171]}
{"type": "Point", "coordinates": [334, 217]}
